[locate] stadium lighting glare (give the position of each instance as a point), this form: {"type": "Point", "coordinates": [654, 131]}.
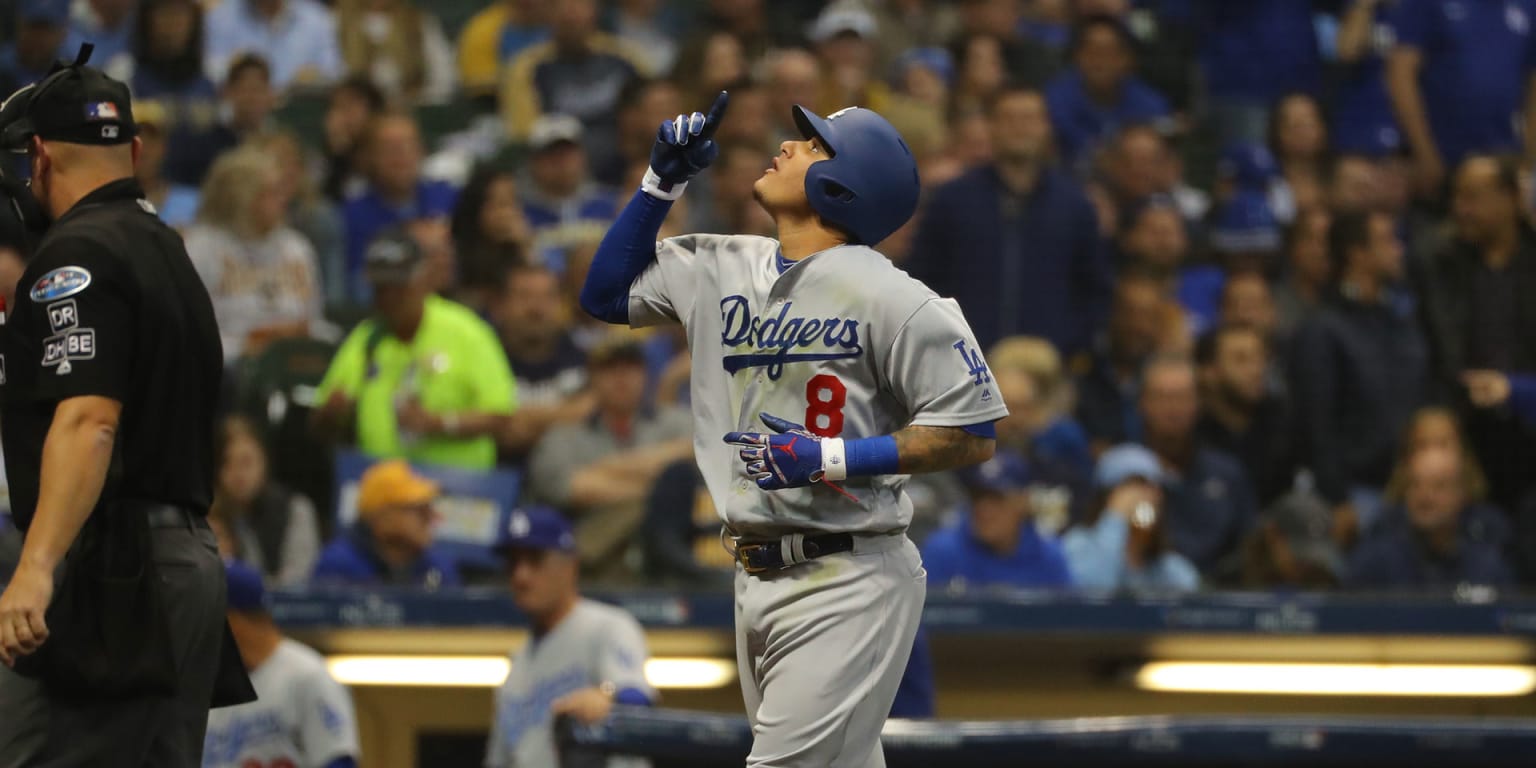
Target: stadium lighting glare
{"type": "Point", "coordinates": [1338, 679]}
{"type": "Point", "coordinates": [491, 671]}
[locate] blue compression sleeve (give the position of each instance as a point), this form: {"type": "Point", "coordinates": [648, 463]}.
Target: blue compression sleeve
{"type": "Point", "coordinates": [626, 251]}
{"type": "Point", "coordinates": [632, 696]}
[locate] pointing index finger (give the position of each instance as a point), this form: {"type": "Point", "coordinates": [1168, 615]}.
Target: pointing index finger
{"type": "Point", "coordinates": [716, 114]}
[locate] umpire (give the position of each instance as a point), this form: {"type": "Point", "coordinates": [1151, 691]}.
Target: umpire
{"type": "Point", "coordinates": [112, 629]}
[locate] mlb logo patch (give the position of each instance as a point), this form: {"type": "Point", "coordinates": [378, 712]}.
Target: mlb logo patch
{"type": "Point", "coordinates": [101, 110]}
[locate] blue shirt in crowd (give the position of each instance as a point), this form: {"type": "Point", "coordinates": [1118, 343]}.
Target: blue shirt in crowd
{"type": "Point", "coordinates": [1031, 264]}
{"type": "Point", "coordinates": [1096, 555]}
{"type": "Point", "coordinates": [367, 214]}
{"type": "Point", "coordinates": [299, 42]}
{"type": "Point", "coordinates": [109, 43]}
{"type": "Point", "coordinates": [1394, 556]}
{"type": "Point", "coordinates": [1080, 123]}
{"type": "Point", "coordinates": [1361, 120]}
{"type": "Point", "coordinates": [955, 559]}
{"type": "Point", "coordinates": [1210, 508]}
{"type": "Point", "coordinates": [1477, 60]}
{"type": "Point", "coordinates": [353, 559]}
{"type": "Point", "coordinates": [1255, 51]}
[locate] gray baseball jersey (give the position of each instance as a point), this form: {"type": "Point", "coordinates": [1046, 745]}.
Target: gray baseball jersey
{"type": "Point", "coordinates": [302, 717]}
{"type": "Point", "coordinates": [842, 342]}
{"type": "Point", "coordinates": [592, 645]}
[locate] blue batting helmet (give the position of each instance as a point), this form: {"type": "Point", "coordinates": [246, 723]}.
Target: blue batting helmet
{"type": "Point", "coordinates": [868, 186]}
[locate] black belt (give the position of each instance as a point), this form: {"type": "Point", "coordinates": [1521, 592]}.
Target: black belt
{"type": "Point", "coordinates": [168, 515]}
{"type": "Point", "coordinates": [757, 556]}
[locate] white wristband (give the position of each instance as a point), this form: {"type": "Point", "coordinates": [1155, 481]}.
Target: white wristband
{"type": "Point", "coordinates": [653, 186]}
{"type": "Point", "coordinates": [834, 459]}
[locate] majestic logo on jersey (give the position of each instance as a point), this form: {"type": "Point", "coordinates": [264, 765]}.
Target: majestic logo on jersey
{"type": "Point", "coordinates": [64, 281]}
{"type": "Point", "coordinates": [975, 365]}
{"type": "Point", "coordinates": [773, 338]}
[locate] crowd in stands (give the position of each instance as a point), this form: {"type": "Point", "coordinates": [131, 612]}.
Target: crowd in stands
{"type": "Point", "coordinates": [1252, 275]}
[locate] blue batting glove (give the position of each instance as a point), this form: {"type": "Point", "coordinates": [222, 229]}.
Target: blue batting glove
{"type": "Point", "coordinates": [789, 459]}
{"type": "Point", "coordinates": [685, 145]}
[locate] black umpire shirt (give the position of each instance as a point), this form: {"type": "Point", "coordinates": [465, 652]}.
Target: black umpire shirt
{"type": "Point", "coordinates": [111, 306]}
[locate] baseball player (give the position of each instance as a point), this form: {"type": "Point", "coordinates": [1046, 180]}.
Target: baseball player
{"type": "Point", "coordinates": [302, 717]}
{"type": "Point", "coordinates": [831, 375]}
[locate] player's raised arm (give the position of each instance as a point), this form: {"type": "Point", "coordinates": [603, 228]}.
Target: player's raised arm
{"type": "Point", "coordinates": [684, 147]}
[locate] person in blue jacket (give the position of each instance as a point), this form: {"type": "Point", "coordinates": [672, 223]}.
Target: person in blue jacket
{"type": "Point", "coordinates": [1100, 93]}
{"type": "Point", "coordinates": [995, 543]}
{"type": "Point", "coordinates": [391, 542]}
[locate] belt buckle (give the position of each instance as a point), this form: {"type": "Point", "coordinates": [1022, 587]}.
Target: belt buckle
{"type": "Point", "coordinates": [741, 557]}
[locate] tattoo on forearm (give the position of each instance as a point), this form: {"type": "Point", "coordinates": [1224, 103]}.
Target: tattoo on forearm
{"type": "Point", "coordinates": [935, 449]}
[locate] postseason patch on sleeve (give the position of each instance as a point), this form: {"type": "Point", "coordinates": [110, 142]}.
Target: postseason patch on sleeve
{"type": "Point", "coordinates": [60, 283]}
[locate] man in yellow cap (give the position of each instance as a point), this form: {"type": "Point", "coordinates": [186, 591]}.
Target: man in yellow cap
{"type": "Point", "coordinates": [391, 542]}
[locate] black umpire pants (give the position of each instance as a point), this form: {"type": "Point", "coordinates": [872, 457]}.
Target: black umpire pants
{"type": "Point", "coordinates": [40, 731]}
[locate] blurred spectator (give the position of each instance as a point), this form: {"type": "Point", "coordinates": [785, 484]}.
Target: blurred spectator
{"type": "Point", "coordinates": [1100, 93]}
{"type": "Point", "coordinates": [1357, 36]}
{"type": "Point", "coordinates": [108, 25]}
{"type": "Point", "coordinates": [726, 207]}
{"type": "Point", "coordinates": [924, 76]}
{"type": "Point", "coordinates": [643, 107]}
{"type": "Point", "coordinates": [41, 26]}
{"type": "Point", "coordinates": [424, 378]}
{"type": "Point", "coordinates": [1354, 186]}
{"type": "Point", "coordinates": [1298, 140]}
{"type": "Point", "coordinates": [757, 29]}
{"type": "Point", "coordinates": [176, 203]}
{"type": "Point", "coordinates": [272, 528]}
{"type": "Point", "coordinates": [310, 213]}
{"type": "Point", "coordinates": [247, 101]}
{"type": "Point", "coordinates": [167, 65]}
{"type": "Point", "coordinates": [564, 206]}
{"type": "Point", "coordinates": [1246, 300]}
{"type": "Point", "coordinates": [579, 72]}
{"type": "Point", "coordinates": [1139, 163]}
{"type": "Point", "coordinates": [844, 36]}
{"type": "Point", "coordinates": [794, 75]}
{"type": "Point", "coordinates": [650, 29]}
{"type": "Point", "coordinates": [582, 656]}
{"type": "Point", "coordinates": [400, 47]}
{"type": "Point", "coordinates": [681, 533]}
{"type": "Point", "coordinates": [1016, 241]}
{"type": "Point", "coordinates": [709, 65]}
{"type": "Point", "coordinates": [1154, 240]}
{"type": "Point", "coordinates": [495, 36]}
{"type": "Point", "coordinates": [600, 470]}
{"type": "Point", "coordinates": [982, 72]}
{"type": "Point", "coordinates": [490, 233]}
{"type": "Point", "coordinates": [1251, 54]}
{"type": "Point", "coordinates": [1039, 427]}
{"type": "Point", "coordinates": [389, 155]}
{"type": "Point", "coordinates": [353, 105]}
{"type": "Point", "coordinates": [751, 121]}
{"type": "Point", "coordinates": [912, 24]}
{"type": "Point", "coordinates": [1436, 541]}
{"type": "Point", "coordinates": [301, 711]}
{"type": "Point", "coordinates": [1050, 22]}
{"type": "Point", "coordinates": [1300, 289]}
{"type": "Point", "coordinates": [1125, 545]}
{"type": "Point", "coordinates": [1239, 414]}
{"type": "Point", "coordinates": [1438, 428]}
{"type": "Point", "coordinates": [391, 541]}
{"type": "Point", "coordinates": [1473, 296]}
{"type": "Point", "coordinates": [261, 274]}
{"type": "Point", "coordinates": [1359, 368]}
{"type": "Point", "coordinates": [1244, 237]}
{"type": "Point", "coordinates": [297, 37]}
{"type": "Point", "coordinates": [1028, 63]}
{"type": "Point", "coordinates": [534, 324]}
{"type": "Point", "coordinates": [1106, 391]}
{"type": "Point", "coordinates": [1294, 546]}
{"type": "Point", "coordinates": [1211, 504]}
{"type": "Point", "coordinates": [994, 542]}
{"type": "Point", "coordinates": [1458, 78]}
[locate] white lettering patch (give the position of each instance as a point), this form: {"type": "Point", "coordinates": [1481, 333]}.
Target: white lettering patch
{"type": "Point", "coordinates": [69, 341]}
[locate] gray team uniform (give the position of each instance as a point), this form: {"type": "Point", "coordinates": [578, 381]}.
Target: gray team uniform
{"type": "Point", "coordinates": [592, 645]}
{"type": "Point", "coordinates": [841, 335]}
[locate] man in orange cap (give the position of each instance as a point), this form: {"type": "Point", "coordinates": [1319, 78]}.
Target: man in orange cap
{"type": "Point", "coordinates": [391, 542]}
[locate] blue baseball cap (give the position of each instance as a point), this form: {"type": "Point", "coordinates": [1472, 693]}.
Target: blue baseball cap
{"type": "Point", "coordinates": [1250, 166]}
{"type": "Point", "coordinates": [1124, 462]}
{"type": "Point", "coordinates": [44, 11]}
{"type": "Point", "coordinates": [1005, 472]}
{"type": "Point", "coordinates": [1246, 224]}
{"type": "Point", "coordinates": [246, 592]}
{"type": "Point", "coordinates": [934, 59]}
{"type": "Point", "coordinates": [536, 528]}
